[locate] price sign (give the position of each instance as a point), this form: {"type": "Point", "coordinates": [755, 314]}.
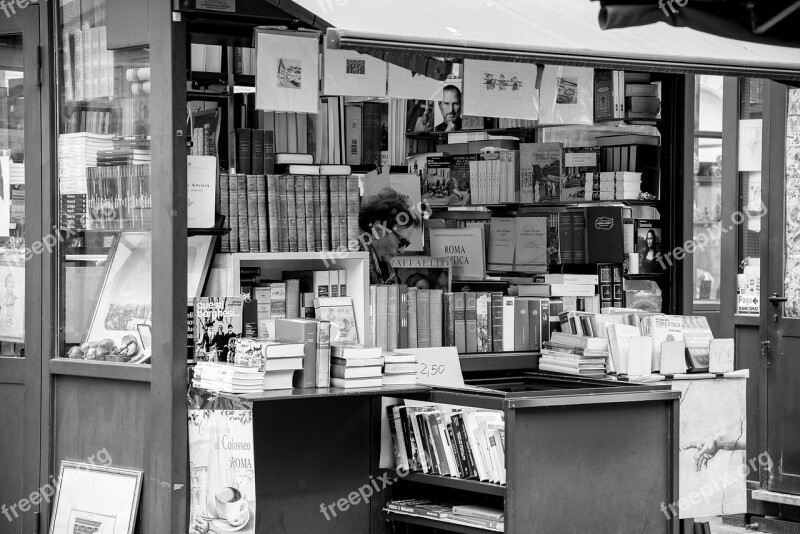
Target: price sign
{"type": "Point", "coordinates": [438, 366]}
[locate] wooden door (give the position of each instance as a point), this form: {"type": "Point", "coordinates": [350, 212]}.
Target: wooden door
{"type": "Point", "coordinates": [20, 274]}
{"type": "Point", "coordinates": [780, 294]}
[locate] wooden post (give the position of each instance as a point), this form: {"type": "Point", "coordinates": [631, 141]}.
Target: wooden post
{"type": "Point", "coordinates": [166, 488]}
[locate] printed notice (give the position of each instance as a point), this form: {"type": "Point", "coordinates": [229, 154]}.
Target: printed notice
{"type": "Point", "coordinates": [217, 5]}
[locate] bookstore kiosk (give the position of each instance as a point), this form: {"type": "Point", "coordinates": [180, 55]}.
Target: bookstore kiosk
{"type": "Point", "coordinates": [110, 73]}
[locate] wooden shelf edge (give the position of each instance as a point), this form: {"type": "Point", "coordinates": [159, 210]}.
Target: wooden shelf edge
{"type": "Point", "coordinates": [474, 486]}
{"type": "Point", "coordinates": [276, 256]}
{"type": "Point", "coordinates": [434, 523]}
{"type": "Point", "coordinates": [129, 372]}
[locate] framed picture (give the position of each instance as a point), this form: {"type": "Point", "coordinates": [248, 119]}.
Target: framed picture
{"type": "Point", "coordinates": [125, 296]}
{"type": "Point", "coordinates": [96, 498]}
{"type": "Point", "coordinates": [12, 297]}
{"type": "Point", "coordinates": [199, 251]}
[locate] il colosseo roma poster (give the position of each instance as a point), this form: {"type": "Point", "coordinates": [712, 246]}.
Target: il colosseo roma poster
{"type": "Point", "coordinates": [221, 464]}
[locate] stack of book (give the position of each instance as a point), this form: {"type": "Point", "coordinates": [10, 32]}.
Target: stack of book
{"type": "Point", "coordinates": [574, 354]}
{"type": "Point", "coordinates": [227, 377]}
{"type": "Point", "coordinates": [118, 196]}
{"type": "Point", "coordinates": [479, 516]}
{"type": "Point", "coordinates": [315, 335]}
{"type": "Point", "coordinates": [437, 440]}
{"type": "Point", "coordinates": [355, 366]}
{"type": "Point", "coordinates": [127, 150]}
{"type": "Point", "coordinates": [600, 186]}
{"type": "Point", "coordinates": [276, 359]}
{"type": "Point", "coordinates": [492, 519]}
{"type": "Point", "coordinates": [399, 369]}
{"type": "Point", "coordinates": [628, 185]}
{"type": "Point", "coordinates": [76, 151]}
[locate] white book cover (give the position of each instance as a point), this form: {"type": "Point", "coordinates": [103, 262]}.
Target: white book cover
{"type": "Point", "coordinates": [500, 89]}
{"type": "Point", "coordinates": [405, 84]}
{"type": "Point", "coordinates": [619, 337]}
{"type": "Point", "coordinates": [566, 95]}
{"type": "Point", "coordinates": [508, 324]}
{"type": "Point", "coordinates": [640, 356]}
{"type": "Point", "coordinates": [201, 189]}
{"type": "Point", "coordinates": [465, 247]}
{"type": "Point", "coordinates": [664, 328]}
{"type": "Point", "coordinates": [287, 73]}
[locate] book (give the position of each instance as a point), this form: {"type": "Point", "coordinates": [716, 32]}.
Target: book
{"type": "Point", "coordinates": [201, 184]}
{"type": "Point", "coordinates": [339, 311]}
{"type": "Point", "coordinates": [351, 352]}
{"type": "Point", "coordinates": [479, 511]}
{"type": "Point", "coordinates": [577, 162]}
{"type": "Point", "coordinates": [351, 383]}
{"type": "Point", "coordinates": [540, 172]}
{"type": "Point", "coordinates": [471, 322]}
{"type": "Point", "coordinates": [304, 330]}
{"type": "Point", "coordinates": [218, 320]}
{"type": "Point", "coordinates": [393, 317]}
{"type": "Point", "coordinates": [423, 272]}
{"type": "Point", "coordinates": [464, 246]}
{"type": "Point", "coordinates": [604, 234]}
{"type": "Point", "coordinates": [343, 372]}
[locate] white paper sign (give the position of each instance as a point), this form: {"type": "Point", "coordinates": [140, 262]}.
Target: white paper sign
{"type": "Point", "coordinates": [750, 145]}
{"type": "Point", "coordinates": [500, 89]}
{"type": "Point", "coordinates": [405, 84]}
{"type": "Point", "coordinates": [438, 366]}
{"type": "Point", "coordinates": [349, 73]}
{"type": "Point", "coordinates": [287, 72]}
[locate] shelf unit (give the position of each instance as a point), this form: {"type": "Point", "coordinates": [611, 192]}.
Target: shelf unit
{"type": "Point", "coordinates": [224, 275]}
{"type": "Point", "coordinates": [553, 425]}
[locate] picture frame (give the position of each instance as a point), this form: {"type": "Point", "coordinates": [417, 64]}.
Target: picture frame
{"type": "Point", "coordinates": [125, 294]}
{"type": "Point", "coordinates": [98, 497]}
{"type": "Point", "coordinates": [199, 252]}
{"type": "Point", "coordinates": [12, 297]}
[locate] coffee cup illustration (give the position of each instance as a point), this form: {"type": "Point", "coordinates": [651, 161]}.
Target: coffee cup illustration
{"type": "Point", "coordinates": [231, 505]}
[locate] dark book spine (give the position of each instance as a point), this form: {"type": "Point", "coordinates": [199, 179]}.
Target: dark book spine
{"type": "Point", "coordinates": [343, 213]}
{"type": "Point", "coordinates": [301, 198]}
{"type": "Point", "coordinates": [456, 469]}
{"type": "Point", "coordinates": [471, 318]}
{"type": "Point", "coordinates": [605, 277]}
{"type": "Point", "coordinates": [353, 206]}
{"type": "Point", "coordinates": [273, 213]}
{"type": "Point", "coordinates": [333, 196]}
{"type": "Point", "coordinates": [579, 237]}
{"type": "Point", "coordinates": [244, 234]}
{"type": "Point", "coordinates": [233, 203]}
{"type": "Point", "coordinates": [325, 213]}
{"type": "Point", "coordinates": [252, 212]}
{"type": "Point", "coordinates": [497, 321]}
{"type": "Point", "coordinates": [283, 203]}
{"type": "Point", "coordinates": [261, 207]}
{"type": "Point", "coordinates": [315, 202]}
{"type": "Point", "coordinates": [243, 144]}
{"type": "Point", "coordinates": [257, 152]}
{"type": "Point", "coordinates": [459, 315]}
{"type": "Point", "coordinates": [459, 449]}
{"type": "Point", "coordinates": [269, 151]}
{"type": "Point", "coordinates": [467, 448]}
{"type": "Point", "coordinates": [616, 286]}
{"type": "Point", "coordinates": [410, 440]}
{"type": "Point", "coordinates": [308, 212]}
{"type": "Point", "coordinates": [449, 326]}
{"type": "Point", "coordinates": [291, 211]}
{"type": "Point", "coordinates": [565, 232]}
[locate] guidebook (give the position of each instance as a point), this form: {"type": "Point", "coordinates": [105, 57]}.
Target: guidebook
{"type": "Point", "coordinates": [218, 320]}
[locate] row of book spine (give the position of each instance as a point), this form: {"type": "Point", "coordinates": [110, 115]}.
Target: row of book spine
{"type": "Point", "coordinates": [255, 151]}
{"type": "Point", "coordinates": [88, 64]}
{"type": "Point", "coordinates": [118, 197]}
{"type": "Point", "coordinates": [473, 322]}
{"type": "Point", "coordinates": [468, 444]}
{"type": "Point", "coordinates": [289, 213]}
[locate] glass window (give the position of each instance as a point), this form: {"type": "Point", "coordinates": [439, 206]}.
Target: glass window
{"type": "Point", "coordinates": [12, 199]}
{"type": "Point", "coordinates": [750, 205]}
{"type": "Point", "coordinates": [707, 193]}
{"type": "Point", "coordinates": [104, 190]}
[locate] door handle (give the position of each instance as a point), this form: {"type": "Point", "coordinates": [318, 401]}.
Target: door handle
{"type": "Point", "coordinates": [776, 299]}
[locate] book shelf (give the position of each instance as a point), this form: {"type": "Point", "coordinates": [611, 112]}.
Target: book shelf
{"type": "Point", "coordinates": [441, 524]}
{"type": "Point", "coordinates": [224, 278]}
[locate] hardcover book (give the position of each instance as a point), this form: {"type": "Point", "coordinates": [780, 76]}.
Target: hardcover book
{"type": "Point", "coordinates": [577, 162]}
{"type": "Point", "coordinates": [218, 320]}
{"type": "Point", "coordinates": [604, 234]}
{"type": "Point", "coordinates": [460, 191]}
{"type": "Point", "coordinates": [339, 311]}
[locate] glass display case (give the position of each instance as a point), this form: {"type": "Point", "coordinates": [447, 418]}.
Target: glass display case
{"type": "Point", "coordinates": [104, 198]}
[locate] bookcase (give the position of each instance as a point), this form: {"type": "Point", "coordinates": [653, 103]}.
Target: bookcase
{"type": "Point", "coordinates": [566, 439]}
{"type": "Point", "coordinates": [225, 271]}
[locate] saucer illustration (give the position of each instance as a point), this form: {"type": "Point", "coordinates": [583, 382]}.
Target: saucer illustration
{"type": "Point", "coordinates": [220, 525]}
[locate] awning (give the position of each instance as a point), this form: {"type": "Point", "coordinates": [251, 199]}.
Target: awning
{"type": "Point", "coordinates": [562, 32]}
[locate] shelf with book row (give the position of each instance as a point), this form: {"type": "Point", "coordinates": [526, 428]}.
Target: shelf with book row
{"type": "Point", "coordinates": [428, 522]}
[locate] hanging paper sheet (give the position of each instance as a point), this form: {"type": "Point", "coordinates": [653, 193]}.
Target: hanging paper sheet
{"type": "Point", "coordinates": [405, 84]}
{"type": "Point", "coordinates": [349, 73]}
{"type": "Point", "coordinates": [287, 72]}
{"type": "Point", "coordinates": [500, 89]}
{"type": "Point", "coordinates": [566, 95]}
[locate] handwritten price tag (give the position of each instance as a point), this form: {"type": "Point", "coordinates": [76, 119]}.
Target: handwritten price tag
{"type": "Point", "coordinates": [438, 366]}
